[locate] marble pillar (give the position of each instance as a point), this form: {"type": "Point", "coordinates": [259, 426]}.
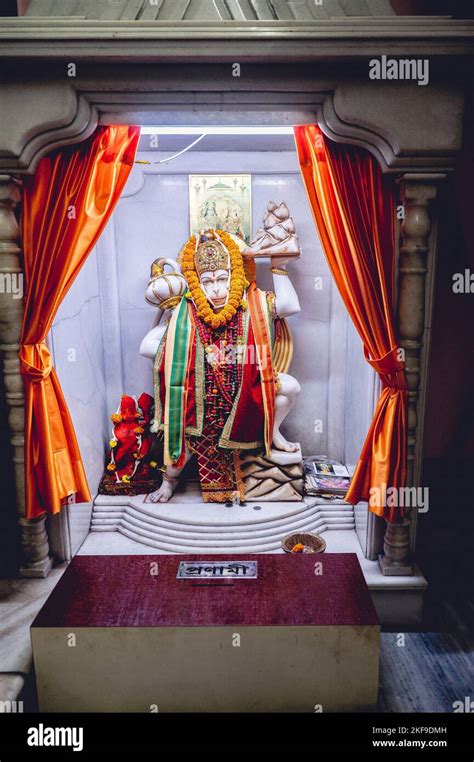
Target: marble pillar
{"type": "Point", "coordinates": [418, 192]}
{"type": "Point", "coordinates": [36, 561]}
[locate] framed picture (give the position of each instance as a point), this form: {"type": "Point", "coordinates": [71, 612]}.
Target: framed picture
{"type": "Point", "coordinates": [222, 202]}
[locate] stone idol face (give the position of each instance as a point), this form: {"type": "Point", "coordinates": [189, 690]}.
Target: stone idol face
{"type": "Point", "coordinates": [213, 270]}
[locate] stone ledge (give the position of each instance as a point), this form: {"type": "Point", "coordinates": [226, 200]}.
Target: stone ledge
{"type": "Point", "coordinates": [11, 685]}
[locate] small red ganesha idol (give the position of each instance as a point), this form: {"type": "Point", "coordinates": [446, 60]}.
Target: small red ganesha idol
{"type": "Point", "coordinates": [131, 442]}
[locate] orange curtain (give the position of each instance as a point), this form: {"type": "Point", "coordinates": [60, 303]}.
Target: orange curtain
{"type": "Point", "coordinates": [353, 207]}
{"type": "Point", "coordinates": [66, 205]}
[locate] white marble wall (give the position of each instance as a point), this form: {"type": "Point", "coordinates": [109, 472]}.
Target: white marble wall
{"type": "Point", "coordinates": [76, 342]}
{"type": "Point", "coordinates": [104, 316]}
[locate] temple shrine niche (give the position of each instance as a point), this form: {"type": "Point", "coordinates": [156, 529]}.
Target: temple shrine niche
{"type": "Point", "coordinates": [105, 337]}
{"type": "Point", "coordinates": [324, 391]}
{"type": "Point", "coordinates": [231, 236]}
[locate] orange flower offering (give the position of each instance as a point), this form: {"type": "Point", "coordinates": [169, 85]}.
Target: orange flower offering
{"type": "Point", "coordinates": [298, 548]}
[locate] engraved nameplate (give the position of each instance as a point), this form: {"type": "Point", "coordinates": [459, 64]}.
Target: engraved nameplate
{"type": "Point", "coordinates": [217, 569]}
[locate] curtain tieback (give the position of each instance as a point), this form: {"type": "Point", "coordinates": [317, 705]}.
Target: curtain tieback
{"type": "Point", "coordinates": [389, 368]}
{"type": "Point", "coordinates": [35, 360]}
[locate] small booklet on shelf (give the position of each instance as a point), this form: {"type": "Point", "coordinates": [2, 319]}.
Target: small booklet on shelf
{"type": "Point", "coordinates": [325, 477]}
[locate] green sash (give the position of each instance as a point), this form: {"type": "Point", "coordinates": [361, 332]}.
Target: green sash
{"type": "Point", "coordinates": [178, 342]}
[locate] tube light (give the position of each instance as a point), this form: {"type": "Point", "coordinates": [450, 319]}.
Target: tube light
{"type": "Point", "coordinates": [216, 130]}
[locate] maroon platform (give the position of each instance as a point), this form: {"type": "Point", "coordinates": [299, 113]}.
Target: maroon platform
{"type": "Point", "coordinates": [120, 591]}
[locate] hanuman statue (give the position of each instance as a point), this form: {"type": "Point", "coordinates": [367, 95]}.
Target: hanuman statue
{"type": "Point", "coordinates": [217, 392]}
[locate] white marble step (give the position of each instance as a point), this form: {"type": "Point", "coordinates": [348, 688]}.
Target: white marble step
{"type": "Point", "coordinates": [300, 517]}
{"type": "Point", "coordinates": [264, 548]}
{"type": "Point", "coordinates": [188, 533]}
{"type": "Point", "coordinates": [197, 513]}
{"type": "Point", "coordinates": [237, 546]}
{"type": "Point", "coordinates": [181, 527]}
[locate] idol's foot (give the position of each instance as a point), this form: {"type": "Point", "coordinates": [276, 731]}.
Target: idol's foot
{"type": "Point", "coordinates": [163, 494]}
{"type": "Point", "coordinates": [280, 443]}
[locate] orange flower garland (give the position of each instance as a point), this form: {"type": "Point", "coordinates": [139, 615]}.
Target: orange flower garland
{"type": "Point", "coordinates": [238, 282]}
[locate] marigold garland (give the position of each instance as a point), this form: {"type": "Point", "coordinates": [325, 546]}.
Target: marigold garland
{"type": "Point", "coordinates": [238, 282]}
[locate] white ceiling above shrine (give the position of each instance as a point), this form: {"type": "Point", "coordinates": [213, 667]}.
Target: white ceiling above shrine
{"type": "Point", "coordinates": [209, 10]}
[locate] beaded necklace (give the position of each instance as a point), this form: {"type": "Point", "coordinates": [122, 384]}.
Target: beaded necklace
{"type": "Point", "coordinates": [223, 374]}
